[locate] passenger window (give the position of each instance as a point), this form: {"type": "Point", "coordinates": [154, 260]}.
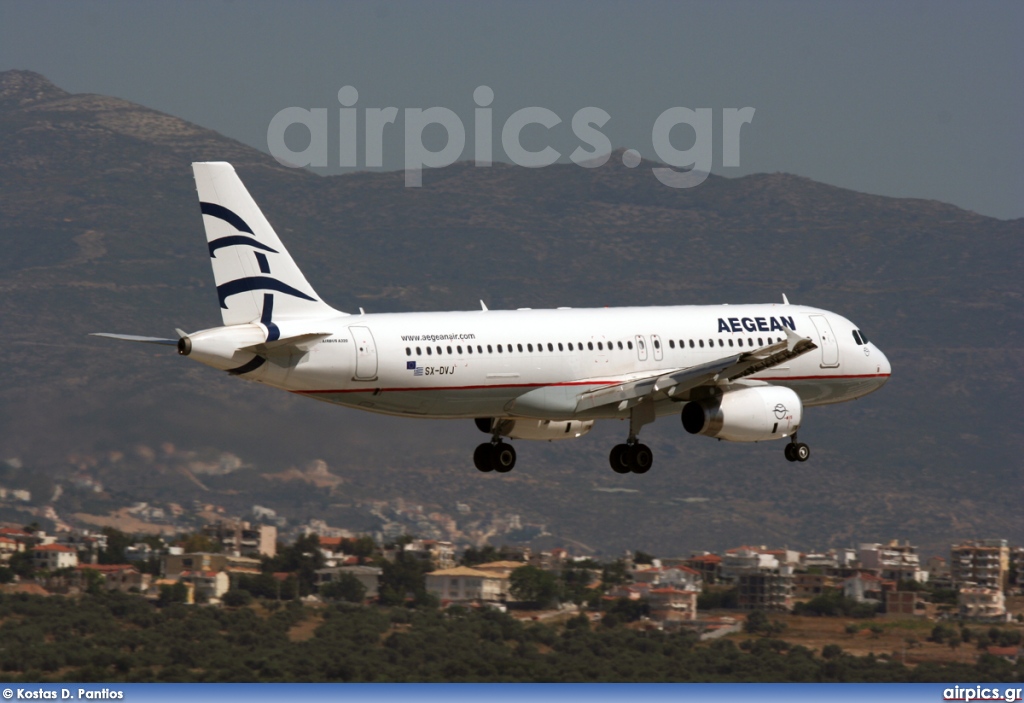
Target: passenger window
{"type": "Point", "coordinates": [750, 342]}
{"type": "Point", "coordinates": [657, 344]}
{"type": "Point", "coordinates": [559, 346]}
{"type": "Point", "coordinates": [551, 347]}
{"type": "Point", "coordinates": [470, 349]}
{"type": "Point", "coordinates": [499, 348]}
{"type": "Point", "coordinates": [730, 342]}
{"type": "Point", "coordinates": [529, 347]}
{"type": "Point", "coordinates": [449, 350]}
{"type": "Point", "coordinates": [722, 343]}
{"type": "Point", "coordinates": [590, 346]}
{"type": "Point", "coordinates": [429, 351]}
{"type": "Point", "coordinates": [691, 344]}
{"type": "Point", "coordinates": [408, 351]}
{"type": "Point", "coordinates": [419, 352]}
{"type": "Point", "coordinates": [459, 349]}
{"type": "Point", "coordinates": [570, 346]}
{"type": "Point", "coordinates": [629, 344]}
{"type": "Point", "coordinates": [439, 351]}
{"type": "Point", "coordinates": [701, 343]}
{"type": "Point", "coordinates": [480, 349]}
{"type": "Point", "coordinates": [620, 345]}
{"type": "Point", "coordinates": [671, 344]}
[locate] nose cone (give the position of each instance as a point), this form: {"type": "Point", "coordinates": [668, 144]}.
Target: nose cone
{"type": "Point", "coordinates": [882, 366]}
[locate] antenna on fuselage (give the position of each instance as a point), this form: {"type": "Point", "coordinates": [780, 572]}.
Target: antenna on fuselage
{"type": "Point", "coordinates": [483, 306]}
{"type": "Point", "coordinates": [785, 300]}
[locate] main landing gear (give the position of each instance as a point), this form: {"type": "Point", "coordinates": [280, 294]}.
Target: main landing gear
{"type": "Point", "coordinates": [495, 456]}
{"type": "Point", "coordinates": [797, 451]}
{"type": "Point", "coordinates": [631, 457]}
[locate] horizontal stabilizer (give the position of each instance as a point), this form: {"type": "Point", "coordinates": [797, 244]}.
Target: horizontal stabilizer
{"type": "Point", "coordinates": [289, 345]}
{"type": "Point", "coordinates": [137, 338]}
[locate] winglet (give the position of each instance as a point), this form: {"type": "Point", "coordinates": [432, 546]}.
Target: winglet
{"type": "Point", "coordinates": [792, 338]}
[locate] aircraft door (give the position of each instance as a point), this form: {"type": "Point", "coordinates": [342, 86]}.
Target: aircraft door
{"type": "Point", "coordinates": [829, 345]}
{"type": "Point", "coordinates": [641, 347]}
{"type": "Point", "coordinates": [366, 354]}
{"type": "Point", "coordinates": [658, 350]}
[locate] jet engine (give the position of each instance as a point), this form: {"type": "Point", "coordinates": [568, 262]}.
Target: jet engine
{"type": "Point", "coordinates": [548, 430]}
{"type": "Point", "coordinates": [750, 414]}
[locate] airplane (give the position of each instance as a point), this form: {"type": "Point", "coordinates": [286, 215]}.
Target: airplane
{"type": "Point", "coordinates": [741, 373]}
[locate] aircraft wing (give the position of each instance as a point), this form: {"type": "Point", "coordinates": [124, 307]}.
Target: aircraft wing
{"type": "Point", "coordinates": [673, 382]}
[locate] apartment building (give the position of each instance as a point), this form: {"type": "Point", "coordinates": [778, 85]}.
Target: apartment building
{"type": "Point", "coordinates": [982, 563]}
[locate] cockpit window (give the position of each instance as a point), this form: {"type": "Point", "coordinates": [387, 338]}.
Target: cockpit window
{"type": "Point", "coordinates": [856, 337]}
{"type": "Point", "coordinates": [863, 337]}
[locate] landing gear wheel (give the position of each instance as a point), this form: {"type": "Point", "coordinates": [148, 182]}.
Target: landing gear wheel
{"type": "Point", "coordinates": [504, 457]}
{"type": "Point", "coordinates": [802, 452]}
{"type": "Point", "coordinates": [790, 451]}
{"type": "Point", "coordinates": [618, 459]}
{"type": "Point", "coordinates": [641, 458]}
{"type": "Point", "coordinates": [482, 457]}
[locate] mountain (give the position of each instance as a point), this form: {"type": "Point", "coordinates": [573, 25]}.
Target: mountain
{"type": "Point", "coordinates": [102, 232]}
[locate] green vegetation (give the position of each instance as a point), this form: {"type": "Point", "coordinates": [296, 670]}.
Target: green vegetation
{"type": "Point", "coordinates": [834, 603]}
{"type": "Point", "coordinates": [114, 637]}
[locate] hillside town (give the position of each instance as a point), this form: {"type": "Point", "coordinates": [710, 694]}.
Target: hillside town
{"type": "Point", "coordinates": [974, 583]}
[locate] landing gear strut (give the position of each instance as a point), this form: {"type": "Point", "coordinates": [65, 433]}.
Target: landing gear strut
{"type": "Point", "coordinates": [797, 451]}
{"type": "Point", "coordinates": [633, 456]}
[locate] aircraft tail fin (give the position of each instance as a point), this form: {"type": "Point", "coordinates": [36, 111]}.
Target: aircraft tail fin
{"type": "Point", "coordinates": [257, 279]}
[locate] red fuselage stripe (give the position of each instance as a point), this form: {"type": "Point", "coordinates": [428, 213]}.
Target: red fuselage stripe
{"type": "Point", "coordinates": [370, 389]}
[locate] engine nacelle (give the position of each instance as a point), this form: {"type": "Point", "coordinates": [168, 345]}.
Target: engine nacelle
{"type": "Point", "coordinates": [746, 415]}
{"type": "Point", "coordinates": [548, 430]}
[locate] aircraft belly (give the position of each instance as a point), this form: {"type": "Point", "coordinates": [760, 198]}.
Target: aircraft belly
{"type": "Point", "coordinates": [828, 391]}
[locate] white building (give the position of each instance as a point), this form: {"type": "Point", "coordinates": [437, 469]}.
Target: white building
{"type": "Point", "coordinates": [54, 556]}
{"type": "Point", "coordinates": [464, 584]}
{"type": "Point", "coordinates": [979, 603]}
{"type": "Point", "coordinates": [892, 561]}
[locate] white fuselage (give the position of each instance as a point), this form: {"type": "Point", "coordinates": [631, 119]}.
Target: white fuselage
{"type": "Point", "coordinates": [534, 363]}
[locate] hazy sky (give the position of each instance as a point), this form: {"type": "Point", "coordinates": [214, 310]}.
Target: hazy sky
{"type": "Point", "coordinates": [898, 98]}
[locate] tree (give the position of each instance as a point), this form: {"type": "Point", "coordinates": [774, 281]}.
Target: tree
{"type": "Point", "coordinates": [614, 574]}
{"type": "Point", "coordinates": [346, 588]}
{"type": "Point", "coordinates": [473, 556]}
{"type": "Point", "coordinates": [643, 558]}
{"type": "Point", "coordinates": [198, 542]}
{"type": "Point", "coordinates": [756, 622]}
{"type": "Point", "coordinates": [175, 593]}
{"type": "Point", "coordinates": [236, 598]}
{"type": "Point", "coordinates": [533, 585]}
{"type": "Point", "coordinates": [117, 543]}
